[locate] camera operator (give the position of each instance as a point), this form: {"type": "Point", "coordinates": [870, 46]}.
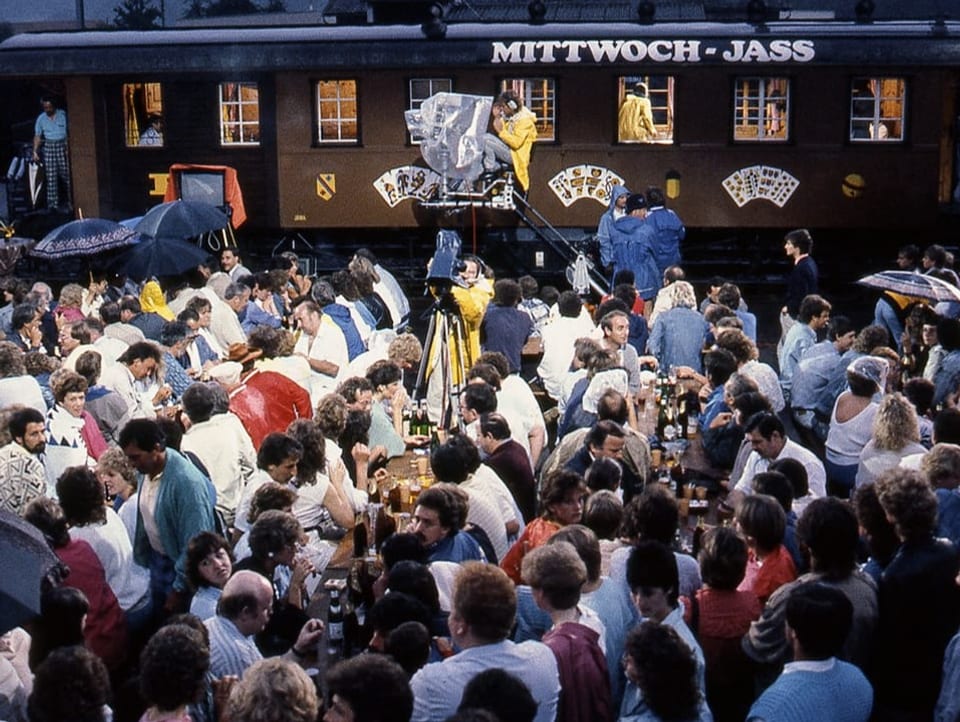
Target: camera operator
{"type": "Point", "coordinates": [463, 290]}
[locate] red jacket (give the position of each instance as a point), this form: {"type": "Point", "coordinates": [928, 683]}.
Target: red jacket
{"type": "Point", "coordinates": [266, 401]}
{"type": "Point", "coordinates": [105, 631]}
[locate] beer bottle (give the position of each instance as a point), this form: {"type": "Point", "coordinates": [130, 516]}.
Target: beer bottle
{"type": "Point", "coordinates": [682, 416]}
{"type": "Point", "coordinates": [359, 537]}
{"type": "Point", "coordinates": [335, 626]}
{"type": "Point", "coordinates": [698, 537]}
{"type": "Point", "coordinates": [678, 477]}
{"type": "Point", "coordinates": [693, 413]}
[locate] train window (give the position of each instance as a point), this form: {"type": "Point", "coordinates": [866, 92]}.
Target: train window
{"type": "Point", "coordinates": [645, 112]}
{"type": "Point", "coordinates": [422, 88]}
{"type": "Point", "coordinates": [761, 109]}
{"type": "Point", "coordinates": [877, 110]}
{"type": "Point", "coordinates": [540, 96]}
{"type": "Point", "coordinates": [143, 115]}
{"type": "Point", "coordinates": [239, 114]}
{"type": "Point", "coordinates": [337, 111]}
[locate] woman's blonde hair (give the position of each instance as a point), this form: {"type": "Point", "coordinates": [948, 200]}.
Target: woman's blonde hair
{"type": "Point", "coordinates": [895, 424]}
{"type": "Point", "coordinates": [274, 690]}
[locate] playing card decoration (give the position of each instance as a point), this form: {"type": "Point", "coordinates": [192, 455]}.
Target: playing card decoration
{"type": "Point", "coordinates": [408, 181]}
{"type": "Point", "coordinates": [760, 182]}
{"type": "Point", "coordinates": [584, 181]}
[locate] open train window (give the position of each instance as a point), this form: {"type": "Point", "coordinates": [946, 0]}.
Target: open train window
{"type": "Point", "coordinates": [877, 110]}
{"type": "Point", "coordinates": [761, 110]}
{"type": "Point", "coordinates": [239, 114]}
{"type": "Point", "coordinates": [337, 112]}
{"type": "Point", "coordinates": [645, 109]}
{"type": "Point", "coordinates": [420, 89]}
{"type": "Point", "coordinates": [143, 115]}
{"type": "Point", "coordinates": [540, 96]}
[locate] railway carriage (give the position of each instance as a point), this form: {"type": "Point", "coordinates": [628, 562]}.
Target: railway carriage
{"type": "Point", "coordinates": [775, 124]}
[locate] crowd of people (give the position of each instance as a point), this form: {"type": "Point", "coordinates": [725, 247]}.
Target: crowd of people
{"type": "Point", "coordinates": [194, 451]}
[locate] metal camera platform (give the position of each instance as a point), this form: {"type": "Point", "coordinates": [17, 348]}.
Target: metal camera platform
{"type": "Point", "coordinates": [496, 194]}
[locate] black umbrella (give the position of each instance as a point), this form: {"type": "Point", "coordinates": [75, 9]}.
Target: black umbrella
{"type": "Point", "coordinates": [86, 237]}
{"type": "Point", "coordinates": [156, 257]}
{"type": "Point", "coordinates": [25, 559]}
{"type": "Point", "coordinates": [181, 220]}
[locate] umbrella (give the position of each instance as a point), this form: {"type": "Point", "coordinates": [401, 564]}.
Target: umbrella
{"type": "Point", "coordinates": [156, 257]}
{"type": "Point", "coordinates": [36, 182]}
{"type": "Point", "coordinates": [908, 283]}
{"type": "Point", "coordinates": [25, 558]}
{"type": "Point", "coordinates": [578, 275]}
{"type": "Point", "coordinates": [181, 220]}
{"type": "Point", "coordinates": [86, 237]}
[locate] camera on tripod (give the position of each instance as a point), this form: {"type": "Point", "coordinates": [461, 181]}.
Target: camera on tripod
{"type": "Point", "coordinates": [446, 266]}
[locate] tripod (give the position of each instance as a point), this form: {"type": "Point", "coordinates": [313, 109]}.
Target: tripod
{"type": "Point", "coordinates": [442, 370]}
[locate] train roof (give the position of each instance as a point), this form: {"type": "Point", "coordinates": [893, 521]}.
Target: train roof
{"type": "Point", "coordinates": [261, 49]}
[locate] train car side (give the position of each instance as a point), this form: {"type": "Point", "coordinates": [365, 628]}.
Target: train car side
{"type": "Point", "coordinates": [291, 180]}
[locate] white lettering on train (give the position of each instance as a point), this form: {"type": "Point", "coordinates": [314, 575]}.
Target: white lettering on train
{"type": "Point", "coordinates": [530, 52]}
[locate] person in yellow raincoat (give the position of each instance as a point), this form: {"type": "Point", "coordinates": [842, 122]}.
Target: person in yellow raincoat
{"type": "Point", "coordinates": [152, 301]}
{"type": "Point", "coordinates": [471, 303]}
{"type": "Point", "coordinates": [635, 122]}
{"type": "Point", "coordinates": [516, 128]}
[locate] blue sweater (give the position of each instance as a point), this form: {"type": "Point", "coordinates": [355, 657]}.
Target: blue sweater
{"type": "Point", "coordinates": [839, 694]}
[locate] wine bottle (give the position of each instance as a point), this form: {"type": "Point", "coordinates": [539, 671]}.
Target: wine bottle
{"type": "Point", "coordinates": [662, 419]}
{"type": "Point", "coordinates": [425, 426]}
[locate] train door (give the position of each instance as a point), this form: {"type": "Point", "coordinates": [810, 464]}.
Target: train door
{"type": "Point", "coordinates": [949, 147]}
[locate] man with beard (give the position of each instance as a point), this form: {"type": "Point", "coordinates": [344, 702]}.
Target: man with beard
{"type": "Point", "coordinates": [22, 476]}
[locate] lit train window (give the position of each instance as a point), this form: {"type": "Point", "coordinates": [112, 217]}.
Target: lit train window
{"type": "Point", "coordinates": [761, 109]}
{"type": "Point", "coordinates": [422, 88]}
{"type": "Point", "coordinates": [337, 111]}
{"type": "Point", "coordinates": [877, 110]}
{"type": "Point", "coordinates": [239, 114]}
{"type": "Point", "coordinates": [143, 115]}
{"type": "Point", "coordinates": [645, 109]}
{"type": "Point", "coordinates": [540, 96]}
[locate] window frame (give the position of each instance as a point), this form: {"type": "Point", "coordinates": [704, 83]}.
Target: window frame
{"type": "Point", "coordinates": [522, 86]}
{"type": "Point", "coordinates": [339, 119]}
{"type": "Point", "coordinates": [877, 115]}
{"type": "Point", "coordinates": [133, 131]}
{"type": "Point", "coordinates": [414, 103]}
{"type": "Point", "coordinates": [669, 108]}
{"type": "Point", "coordinates": [240, 122]}
{"type": "Point", "coordinates": [764, 116]}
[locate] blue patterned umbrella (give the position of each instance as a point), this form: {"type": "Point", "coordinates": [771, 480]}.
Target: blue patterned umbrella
{"type": "Point", "coordinates": [86, 237]}
{"type": "Point", "coordinates": [913, 284]}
